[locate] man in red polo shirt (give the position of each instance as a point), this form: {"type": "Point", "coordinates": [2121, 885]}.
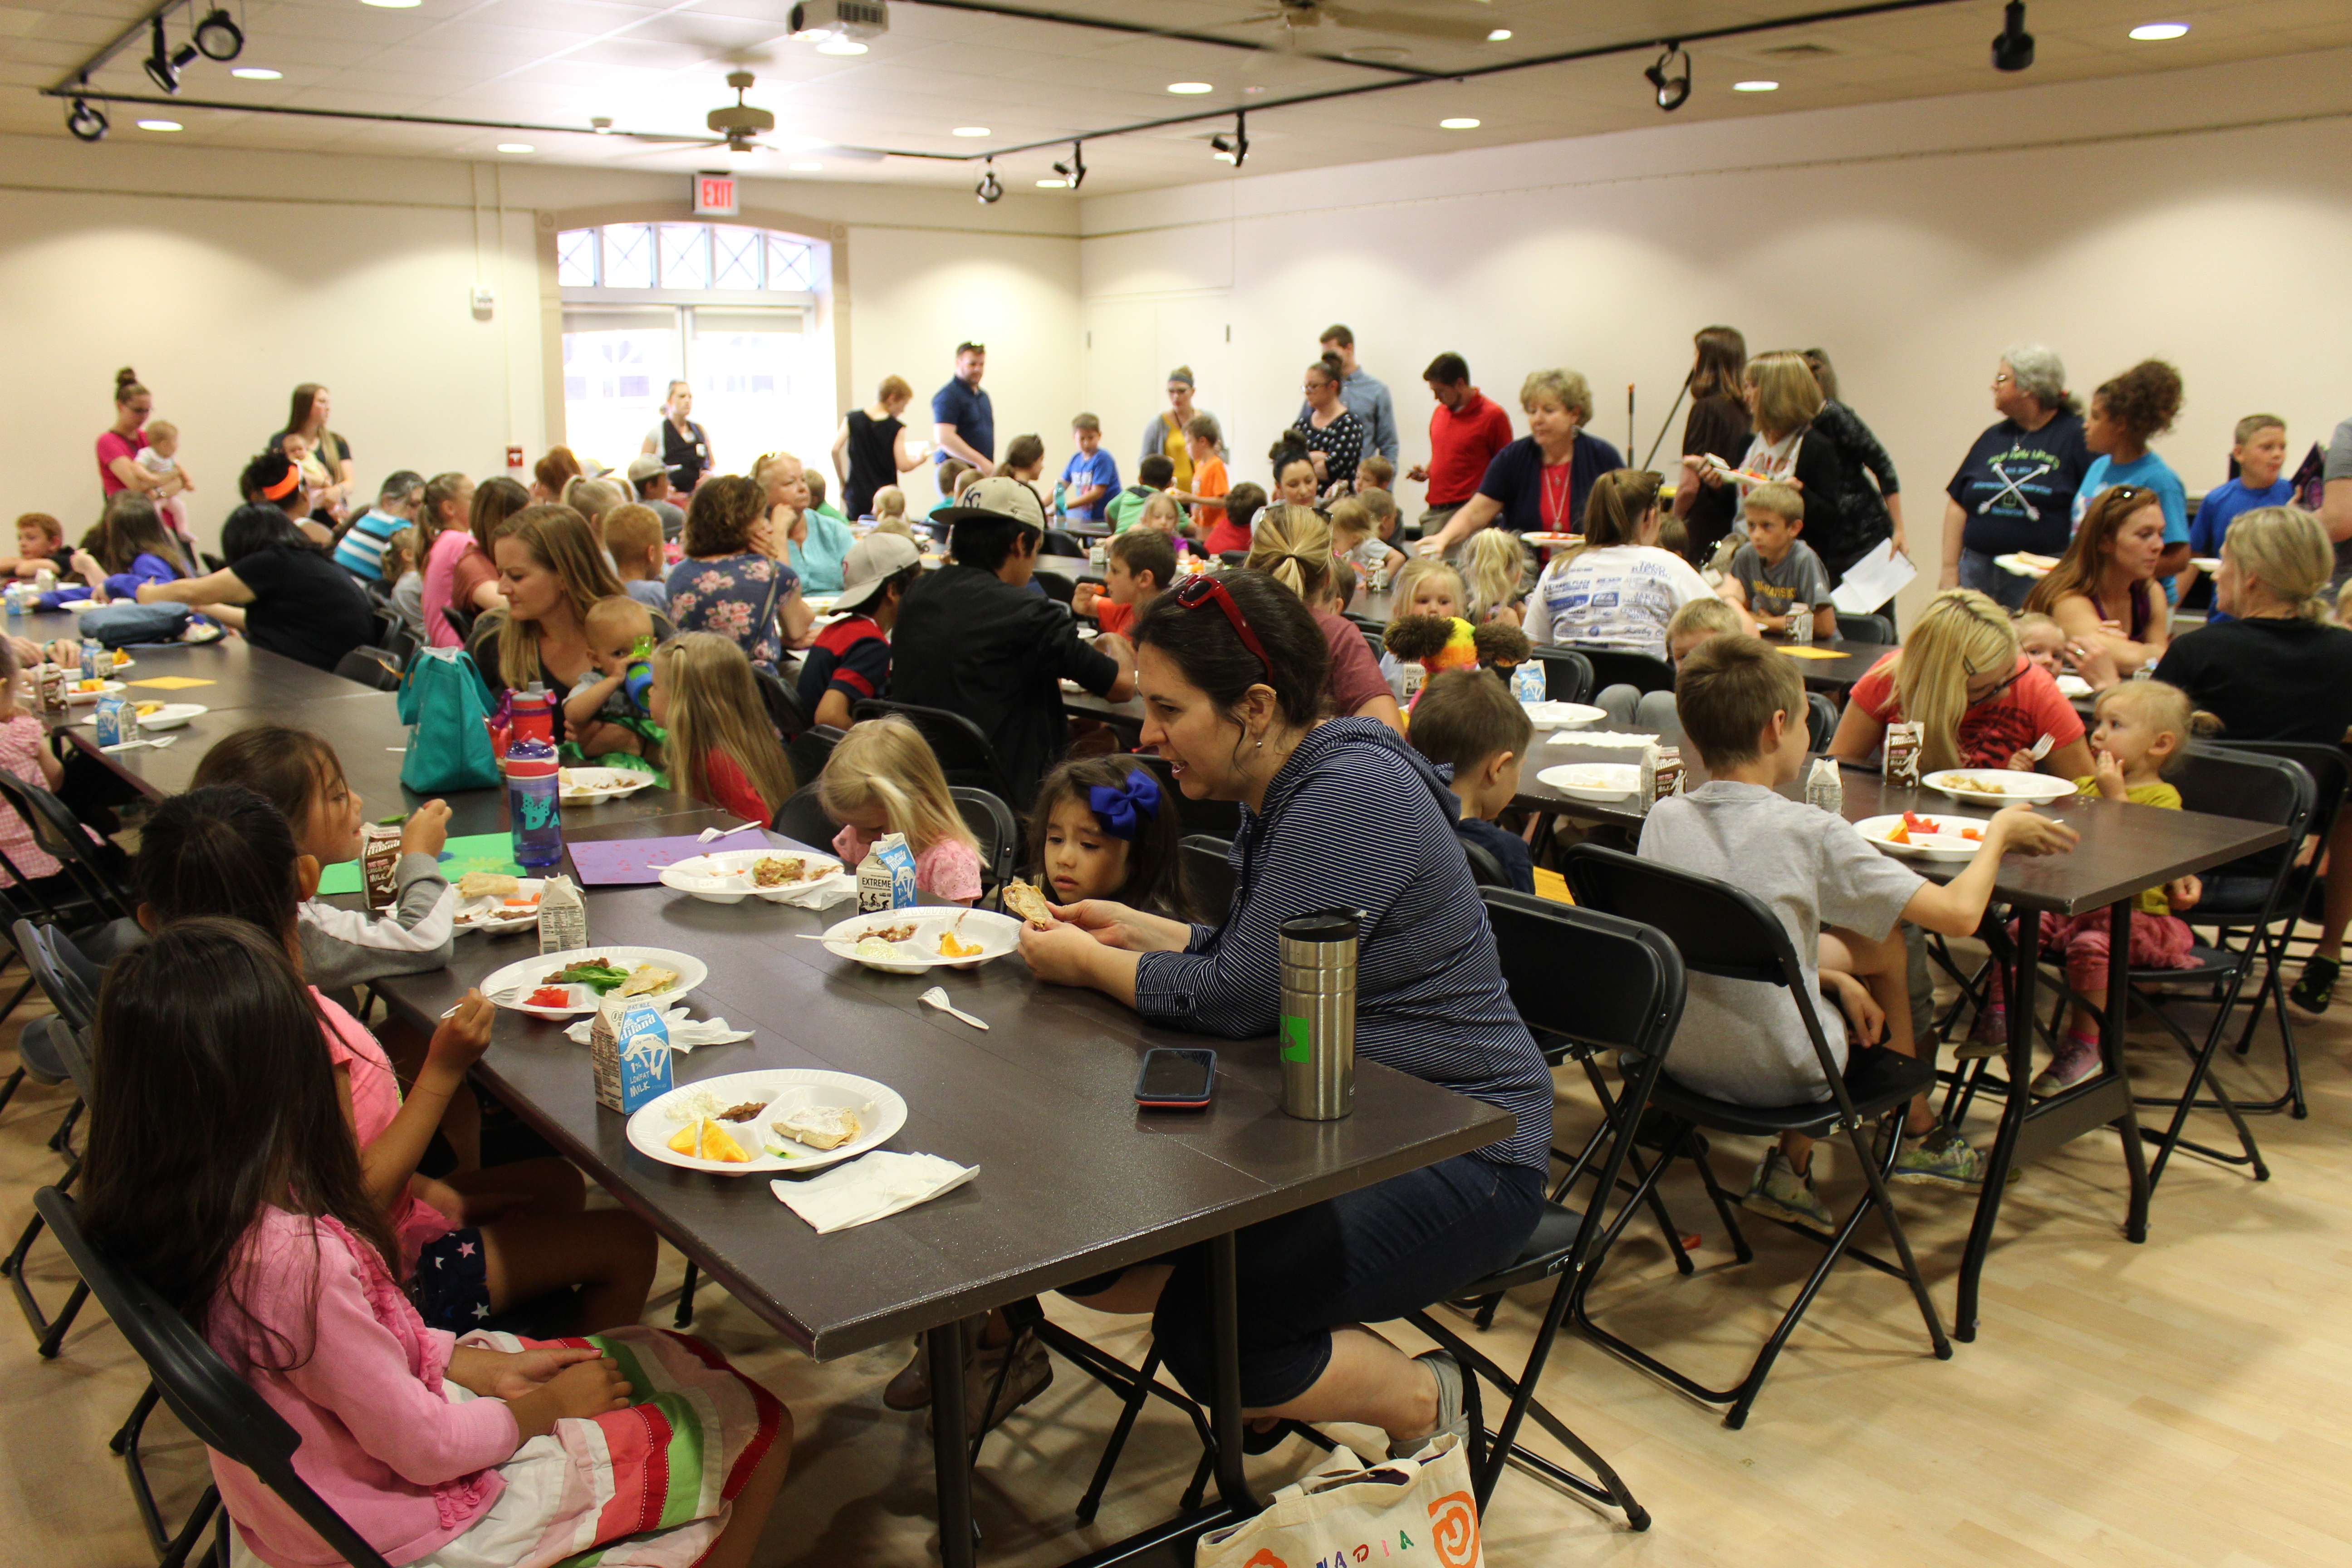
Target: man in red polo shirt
{"type": "Point", "coordinates": [1465, 430]}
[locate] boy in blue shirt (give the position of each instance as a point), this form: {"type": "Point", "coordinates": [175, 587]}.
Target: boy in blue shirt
{"type": "Point", "coordinates": [1092, 478]}
{"type": "Point", "coordinates": [1472, 729]}
{"type": "Point", "coordinates": [2259, 449]}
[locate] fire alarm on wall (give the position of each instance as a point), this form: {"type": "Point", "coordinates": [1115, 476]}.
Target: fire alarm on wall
{"type": "Point", "coordinates": [514, 458]}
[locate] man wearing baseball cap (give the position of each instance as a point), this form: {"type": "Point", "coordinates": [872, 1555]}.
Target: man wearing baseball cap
{"type": "Point", "coordinates": [650, 479]}
{"type": "Point", "coordinates": [850, 660]}
{"type": "Point", "coordinates": [974, 639]}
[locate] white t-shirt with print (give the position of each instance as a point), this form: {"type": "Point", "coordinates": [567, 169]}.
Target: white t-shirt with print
{"type": "Point", "coordinates": [1620, 596]}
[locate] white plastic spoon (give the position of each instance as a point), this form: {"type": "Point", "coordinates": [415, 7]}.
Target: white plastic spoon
{"type": "Point", "coordinates": [938, 997]}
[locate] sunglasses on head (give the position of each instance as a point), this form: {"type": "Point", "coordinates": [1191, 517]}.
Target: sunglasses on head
{"type": "Point", "coordinates": [1195, 592]}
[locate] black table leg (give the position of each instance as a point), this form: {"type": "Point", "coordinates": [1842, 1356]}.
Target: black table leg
{"type": "Point", "coordinates": [1225, 1374]}
{"type": "Point", "coordinates": [950, 1457]}
{"type": "Point", "coordinates": [2111, 1057]}
{"type": "Point", "coordinates": [2013, 1108]}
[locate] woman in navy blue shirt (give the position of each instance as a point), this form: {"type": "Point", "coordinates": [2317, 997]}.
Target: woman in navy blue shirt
{"type": "Point", "coordinates": [1538, 483]}
{"type": "Point", "coordinates": [1232, 673]}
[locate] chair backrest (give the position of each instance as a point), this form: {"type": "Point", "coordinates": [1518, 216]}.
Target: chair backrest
{"type": "Point", "coordinates": [993, 822]}
{"type": "Point", "coordinates": [2254, 786]}
{"type": "Point", "coordinates": [804, 817]}
{"type": "Point", "coordinates": [810, 750]}
{"type": "Point", "coordinates": [1567, 674]}
{"type": "Point", "coordinates": [965, 752]}
{"type": "Point", "coordinates": [1597, 980]}
{"type": "Point", "coordinates": [1617, 666]}
{"type": "Point", "coordinates": [1058, 541]}
{"type": "Point", "coordinates": [2330, 770]}
{"type": "Point", "coordinates": [1208, 877]}
{"type": "Point", "coordinates": [1820, 721]}
{"type": "Point", "coordinates": [1060, 587]}
{"type": "Point", "coordinates": [219, 1408]}
{"type": "Point", "coordinates": [460, 621]}
{"type": "Point", "coordinates": [783, 703]}
{"type": "Point", "coordinates": [401, 644]}
{"type": "Point", "coordinates": [57, 967]}
{"type": "Point", "coordinates": [376, 667]}
{"type": "Point", "coordinates": [57, 830]}
{"type": "Point", "coordinates": [1485, 870]}
{"type": "Point", "coordinates": [1218, 818]}
{"type": "Point", "coordinates": [1866, 628]}
{"type": "Point", "coordinates": [1230, 558]}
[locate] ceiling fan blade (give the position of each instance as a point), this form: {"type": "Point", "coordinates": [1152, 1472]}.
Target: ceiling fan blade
{"type": "Point", "coordinates": [1413, 24]}
{"type": "Point", "coordinates": [657, 136]}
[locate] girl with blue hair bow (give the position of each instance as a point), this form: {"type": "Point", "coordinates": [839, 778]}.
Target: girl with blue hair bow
{"type": "Point", "coordinates": [1106, 828]}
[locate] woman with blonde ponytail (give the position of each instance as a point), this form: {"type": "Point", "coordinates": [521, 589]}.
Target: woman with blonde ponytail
{"type": "Point", "coordinates": [1977, 700]}
{"type": "Point", "coordinates": [2281, 671]}
{"type": "Point", "coordinates": [1292, 544]}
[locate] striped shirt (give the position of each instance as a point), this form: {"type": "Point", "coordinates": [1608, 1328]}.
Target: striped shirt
{"type": "Point", "coordinates": [1429, 998]}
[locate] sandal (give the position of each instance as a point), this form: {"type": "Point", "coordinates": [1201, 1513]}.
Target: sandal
{"type": "Point", "coordinates": [2318, 986]}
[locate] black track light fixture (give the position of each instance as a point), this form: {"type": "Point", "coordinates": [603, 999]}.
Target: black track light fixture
{"type": "Point", "coordinates": [1074, 173]}
{"type": "Point", "coordinates": [219, 37]}
{"type": "Point", "coordinates": [1233, 148]}
{"type": "Point", "coordinates": [164, 64]}
{"type": "Point", "coordinates": [2012, 48]}
{"type": "Point", "coordinates": [1671, 76]}
{"type": "Point", "coordinates": [85, 122]}
{"type": "Point", "coordinates": [991, 190]}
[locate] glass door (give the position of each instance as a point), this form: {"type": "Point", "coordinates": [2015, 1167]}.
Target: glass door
{"type": "Point", "coordinates": [756, 388]}
{"type": "Point", "coordinates": [618, 363]}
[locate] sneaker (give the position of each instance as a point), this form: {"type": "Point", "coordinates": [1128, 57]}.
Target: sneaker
{"type": "Point", "coordinates": [1778, 1191]}
{"type": "Point", "coordinates": [2318, 986]}
{"type": "Point", "coordinates": [1941, 1159]}
{"type": "Point", "coordinates": [1988, 1036]}
{"type": "Point", "coordinates": [2076, 1061]}
{"type": "Point", "coordinates": [1452, 1412]}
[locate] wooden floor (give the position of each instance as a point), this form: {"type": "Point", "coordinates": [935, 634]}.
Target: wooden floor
{"type": "Point", "coordinates": [2182, 1403]}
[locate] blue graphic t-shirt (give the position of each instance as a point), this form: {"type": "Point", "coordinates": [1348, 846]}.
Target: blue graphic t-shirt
{"type": "Point", "coordinates": [2018, 487]}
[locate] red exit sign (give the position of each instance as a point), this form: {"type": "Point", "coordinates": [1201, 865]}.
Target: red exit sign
{"type": "Point", "coordinates": [714, 196]}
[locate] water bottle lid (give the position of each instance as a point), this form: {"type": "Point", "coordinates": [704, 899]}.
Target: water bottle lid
{"type": "Point", "coordinates": [1324, 925]}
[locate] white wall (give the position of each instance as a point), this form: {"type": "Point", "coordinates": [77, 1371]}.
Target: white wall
{"type": "Point", "coordinates": [225, 278]}
{"type": "Point", "coordinates": [1912, 241]}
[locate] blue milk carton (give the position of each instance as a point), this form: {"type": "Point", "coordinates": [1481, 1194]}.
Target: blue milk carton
{"type": "Point", "coordinates": [118, 722]}
{"type": "Point", "coordinates": [629, 1049]}
{"type": "Point", "coordinates": [885, 877]}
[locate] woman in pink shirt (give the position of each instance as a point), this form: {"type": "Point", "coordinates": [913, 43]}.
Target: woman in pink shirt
{"type": "Point", "coordinates": [458, 569]}
{"type": "Point", "coordinates": [117, 447]}
{"type": "Point", "coordinates": [223, 1174]}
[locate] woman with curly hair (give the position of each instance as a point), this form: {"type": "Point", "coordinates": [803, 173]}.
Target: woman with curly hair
{"type": "Point", "coordinates": [2127, 414]}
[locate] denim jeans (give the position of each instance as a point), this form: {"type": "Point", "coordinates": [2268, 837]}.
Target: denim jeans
{"type": "Point", "coordinates": [2006, 588]}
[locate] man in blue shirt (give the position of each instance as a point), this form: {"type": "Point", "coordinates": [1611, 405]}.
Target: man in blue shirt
{"type": "Point", "coordinates": [962, 422]}
{"type": "Point", "coordinates": [1364, 397]}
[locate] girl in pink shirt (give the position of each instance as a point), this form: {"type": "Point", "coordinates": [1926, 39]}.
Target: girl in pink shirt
{"type": "Point", "coordinates": [223, 1175]}
{"type": "Point", "coordinates": [883, 778]}
{"type": "Point", "coordinates": [467, 1246]}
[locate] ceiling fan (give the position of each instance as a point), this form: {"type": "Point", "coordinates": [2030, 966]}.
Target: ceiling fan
{"type": "Point", "coordinates": [1466, 24]}
{"type": "Point", "coordinates": [737, 126]}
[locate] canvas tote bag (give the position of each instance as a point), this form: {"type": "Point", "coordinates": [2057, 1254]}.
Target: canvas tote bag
{"type": "Point", "coordinates": [1401, 1514]}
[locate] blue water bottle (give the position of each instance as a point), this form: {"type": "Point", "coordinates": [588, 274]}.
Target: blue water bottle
{"type": "Point", "coordinates": [534, 814]}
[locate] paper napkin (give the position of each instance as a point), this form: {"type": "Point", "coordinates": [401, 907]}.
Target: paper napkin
{"type": "Point", "coordinates": [685, 1033]}
{"type": "Point", "coordinates": [872, 1186]}
{"type": "Point", "coordinates": [1607, 739]}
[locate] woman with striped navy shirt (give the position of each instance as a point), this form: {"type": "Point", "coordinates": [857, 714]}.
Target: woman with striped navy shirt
{"type": "Point", "coordinates": [1233, 675]}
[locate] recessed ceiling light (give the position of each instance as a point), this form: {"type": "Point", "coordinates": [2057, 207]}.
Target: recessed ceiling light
{"type": "Point", "coordinates": [1498, 35]}
{"type": "Point", "coordinates": [973, 131]}
{"type": "Point", "coordinates": [1053, 184]}
{"type": "Point", "coordinates": [1191, 88]}
{"type": "Point", "coordinates": [1458, 123]}
{"type": "Point", "coordinates": [516, 147]}
{"type": "Point", "coordinates": [2156, 32]}
{"type": "Point", "coordinates": [159, 125]}
{"type": "Point", "coordinates": [1755, 86]}
{"type": "Point", "coordinates": [806, 166]}
{"type": "Point", "coordinates": [255, 73]}
{"type": "Point", "coordinates": [393, 5]}
{"type": "Point", "coordinates": [841, 46]}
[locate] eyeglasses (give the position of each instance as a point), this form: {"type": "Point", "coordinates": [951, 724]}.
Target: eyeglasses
{"type": "Point", "coordinates": [2004, 379]}
{"type": "Point", "coordinates": [1195, 592]}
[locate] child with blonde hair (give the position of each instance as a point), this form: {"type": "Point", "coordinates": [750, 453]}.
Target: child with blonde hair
{"type": "Point", "coordinates": [1691, 625]}
{"type": "Point", "coordinates": [883, 778]}
{"type": "Point", "coordinates": [1161, 511]}
{"type": "Point", "coordinates": [2143, 729]}
{"type": "Point", "coordinates": [890, 511]}
{"type": "Point", "coordinates": [722, 747]}
{"type": "Point", "coordinates": [633, 538]}
{"type": "Point", "coordinates": [2041, 640]}
{"type": "Point", "coordinates": [1494, 568]}
{"type": "Point", "coordinates": [612, 626]}
{"type": "Point", "coordinates": [1426, 585]}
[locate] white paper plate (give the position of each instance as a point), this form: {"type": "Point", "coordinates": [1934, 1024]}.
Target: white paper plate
{"type": "Point", "coordinates": [525, 976]}
{"type": "Point", "coordinates": [2071, 685]}
{"type": "Point", "coordinates": [1564, 715]}
{"type": "Point", "coordinates": [725, 877]}
{"type": "Point", "coordinates": [1595, 781]}
{"type": "Point", "coordinates": [1946, 845]}
{"type": "Point", "coordinates": [1549, 539]}
{"type": "Point", "coordinates": [106, 689]}
{"type": "Point", "coordinates": [585, 786]}
{"type": "Point", "coordinates": [880, 1113]}
{"type": "Point", "coordinates": [491, 914]}
{"type": "Point", "coordinates": [821, 602]}
{"type": "Point", "coordinates": [2009, 787]}
{"type": "Point", "coordinates": [996, 935]}
{"type": "Point", "coordinates": [2207, 563]}
{"type": "Point", "coordinates": [167, 715]}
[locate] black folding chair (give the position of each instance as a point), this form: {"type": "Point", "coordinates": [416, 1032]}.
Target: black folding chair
{"type": "Point", "coordinates": [460, 621]}
{"type": "Point", "coordinates": [1230, 559]}
{"type": "Point", "coordinates": [965, 752]}
{"type": "Point", "coordinates": [809, 751]}
{"type": "Point", "coordinates": [1062, 589]}
{"type": "Point", "coordinates": [401, 642]}
{"type": "Point", "coordinates": [56, 829]}
{"type": "Point", "coordinates": [1866, 628]}
{"type": "Point", "coordinates": [376, 667]}
{"type": "Point", "coordinates": [1618, 985]}
{"type": "Point", "coordinates": [219, 1408]}
{"type": "Point", "coordinates": [803, 819]}
{"type": "Point", "coordinates": [1620, 667]}
{"type": "Point", "coordinates": [1567, 674]}
{"type": "Point", "coordinates": [1820, 721]}
{"type": "Point", "coordinates": [52, 1055]}
{"type": "Point", "coordinates": [1058, 542]}
{"type": "Point", "coordinates": [993, 822]}
{"type": "Point", "coordinates": [783, 706]}
{"type": "Point", "coordinates": [1485, 870]}
{"type": "Point", "coordinates": [1208, 877]}
{"type": "Point", "coordinates": [1724, 932]}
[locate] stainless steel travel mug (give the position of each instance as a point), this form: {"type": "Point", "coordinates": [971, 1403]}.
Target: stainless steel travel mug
{"type": "Point", "coordinates": [1318, 1015]}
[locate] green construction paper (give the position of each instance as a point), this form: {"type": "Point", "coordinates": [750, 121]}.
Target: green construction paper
{"type": "Point", "coordinates": [492, 852]}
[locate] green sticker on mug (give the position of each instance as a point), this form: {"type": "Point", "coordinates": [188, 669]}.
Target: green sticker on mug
{"type": "Point", "coordinates": [1295, 1046]}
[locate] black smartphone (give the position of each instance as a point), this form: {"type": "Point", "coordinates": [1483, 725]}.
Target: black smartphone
{"type": "Point", "coordinates": [1176, 1078]}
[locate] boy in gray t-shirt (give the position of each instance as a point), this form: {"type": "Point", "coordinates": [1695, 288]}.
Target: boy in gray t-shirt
{"type": "Point", "coordinates": [1776, 573]}
{"type": "Point", "coordinates": [1742, 705]}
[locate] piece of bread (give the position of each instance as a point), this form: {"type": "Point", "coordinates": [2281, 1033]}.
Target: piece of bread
{"type": "Point", "coordinates": [1026, 902]}
{"type": "Point", "coordinates": [486, 885]}
{"type": "Point", "coordinates": [647, 978]}
{"type": "Point", "coordinates": [819, 1126]}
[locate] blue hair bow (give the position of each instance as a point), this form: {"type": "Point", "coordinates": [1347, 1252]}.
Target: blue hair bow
{"type": "Point", "coordinates": [1122, 809]}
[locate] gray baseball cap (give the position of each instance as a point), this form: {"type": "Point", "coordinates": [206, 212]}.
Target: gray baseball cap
{"type": "Point", "coordinates": [872, 561]}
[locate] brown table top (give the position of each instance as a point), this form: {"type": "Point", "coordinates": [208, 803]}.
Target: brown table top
{"type": "Point", "coordinates": [2125, 847]}
{"type": "Point", "coordinates": [1073, 1180]}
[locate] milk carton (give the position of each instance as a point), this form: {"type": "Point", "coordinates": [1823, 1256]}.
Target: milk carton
{"type": "Point", "coordinates": [885, 877]}
{"type": "Point", "coordinates": [629, 1051]}
{"type": "Point", "coordinates": [1901, 757]}
{"type": "Point", "coordinates": [118, 722]}
{"type": "Point", "coordinates": [1662, 774]}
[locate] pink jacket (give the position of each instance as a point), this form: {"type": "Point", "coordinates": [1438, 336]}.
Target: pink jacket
{"type": "Point", "coordinates": [408, 1469]}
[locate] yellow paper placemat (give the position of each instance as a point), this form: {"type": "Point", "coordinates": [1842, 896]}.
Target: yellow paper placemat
{"type": "Point", "coordinates": [1813, 653]}
{"type": "Point", "coordinates": [1553, 886]}
{"type": "Point", "coordinates": [169, 682]}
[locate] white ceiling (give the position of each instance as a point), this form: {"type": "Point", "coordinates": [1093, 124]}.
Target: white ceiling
{"type": "Point", "coordinates": [658, 65]}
